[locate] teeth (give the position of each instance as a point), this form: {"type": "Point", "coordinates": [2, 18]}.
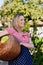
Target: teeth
{"type": "Point", "coordinates": [4, 39]}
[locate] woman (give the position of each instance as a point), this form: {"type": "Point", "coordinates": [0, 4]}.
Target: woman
{"type": "Point", "coordinates": [23, 37]}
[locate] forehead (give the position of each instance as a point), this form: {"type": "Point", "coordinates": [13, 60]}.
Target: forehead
{"type": "Point", "coordinates": [21, 17]}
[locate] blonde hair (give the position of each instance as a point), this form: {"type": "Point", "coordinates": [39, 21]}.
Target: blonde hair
{"type": "Point", "coordinates": [14, 22]}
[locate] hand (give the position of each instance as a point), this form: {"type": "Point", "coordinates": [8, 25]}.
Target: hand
{"type": "Point", "coordinates": [28, 45]}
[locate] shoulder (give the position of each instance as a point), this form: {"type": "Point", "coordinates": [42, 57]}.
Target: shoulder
{"type": "Point", "coordinates": [10, 30]}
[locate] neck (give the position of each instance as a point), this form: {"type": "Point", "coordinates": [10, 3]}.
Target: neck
{"type": "Point", "coordinates": [18, 29]}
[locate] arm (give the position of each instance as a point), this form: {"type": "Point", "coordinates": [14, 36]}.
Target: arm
{"type": "Point", "coordinates": [4, 32]}
{"type": "Point", "coordinates": [28, 45]}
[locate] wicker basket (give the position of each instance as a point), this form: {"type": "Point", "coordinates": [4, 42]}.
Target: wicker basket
{"type": "Point", "coordinates": [10, 49]}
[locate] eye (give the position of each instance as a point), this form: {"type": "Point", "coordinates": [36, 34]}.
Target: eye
{"type": "Point", "coordinates": [22, 19]}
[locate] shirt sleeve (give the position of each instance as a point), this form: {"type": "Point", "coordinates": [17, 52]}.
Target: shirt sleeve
{"type": "Point", "coordinates": [25, 37]}
{"type": "Point", "coordinates": [10, 30]}
{"type": "Point", "coordinates": [28, 34]}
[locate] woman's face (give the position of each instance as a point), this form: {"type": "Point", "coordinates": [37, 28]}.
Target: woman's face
{"type": "Point", "coordinates": [21, 21]}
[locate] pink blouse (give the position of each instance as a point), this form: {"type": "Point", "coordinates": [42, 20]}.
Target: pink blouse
{"type": "Point", "coordinates": [22, 37]}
